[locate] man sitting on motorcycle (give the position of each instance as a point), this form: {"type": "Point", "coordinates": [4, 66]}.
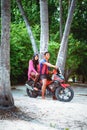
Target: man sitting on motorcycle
{"type": "Point", "coordinates": [44, 71]}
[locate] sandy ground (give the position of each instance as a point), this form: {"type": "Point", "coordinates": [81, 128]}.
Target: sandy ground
{"type": "Point", "coordinates": [48, 114]}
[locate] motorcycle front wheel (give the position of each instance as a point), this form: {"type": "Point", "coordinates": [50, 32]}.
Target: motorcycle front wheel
{"type": "Point", "coordinates": [64, 94]}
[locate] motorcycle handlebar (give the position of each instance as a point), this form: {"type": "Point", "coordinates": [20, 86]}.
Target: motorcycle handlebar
{"type": "Point", "coordinates": [56, 71]}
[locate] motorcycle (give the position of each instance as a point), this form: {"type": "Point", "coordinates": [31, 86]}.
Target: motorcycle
{"type": "Point", "coordinates": [55, 85]}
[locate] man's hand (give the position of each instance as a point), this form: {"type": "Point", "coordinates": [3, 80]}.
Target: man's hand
{"type": "Point", "coordinates": [56, 67]}
{"type": "Point", "coordinates": [50, 72]}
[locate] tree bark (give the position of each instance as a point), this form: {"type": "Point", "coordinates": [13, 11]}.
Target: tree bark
{"type": "Point", "coordinates": [60, 5]}
{"type": "Point", "coordinates": [28, 27]}
{"type": "Point", "coordinates": [69, 4]}
{"type": "Point", "coordinates": [44, 37]}
{"type": "Point", "coordinates": [61, 58]}
{"type": "Point", "coordinates": [6, 99]}
{"type": "Point", "coordinates": [67, 74]}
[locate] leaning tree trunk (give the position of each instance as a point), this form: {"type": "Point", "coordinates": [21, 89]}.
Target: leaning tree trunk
{"type": "Point", "coordinates": [60, 5]}
{"type": "Point", "coordinates": [69, 4]}
{"type": "Point", "coordinates": [6, 99]}
{"type": "Point", "coordinates": [67, 74]}
{"type": "Point", "coordinates": [44, 37]}
{"type": "Point", "coordinates": [61, 58]}
{"type": "Point", "coordinates": [28, 27]}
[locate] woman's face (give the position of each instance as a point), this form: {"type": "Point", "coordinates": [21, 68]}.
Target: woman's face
{"type": "Point", "coordinates": [36, 57]}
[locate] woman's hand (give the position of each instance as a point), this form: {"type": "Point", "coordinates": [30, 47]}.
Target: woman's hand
{"type": "Point", "coordinates": [37, 74]}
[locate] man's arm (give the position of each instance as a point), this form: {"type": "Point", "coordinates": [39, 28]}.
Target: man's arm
{"type": "Point", "coordinates": [50, 65]}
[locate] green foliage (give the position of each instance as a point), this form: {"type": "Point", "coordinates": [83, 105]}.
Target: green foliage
{"type": "Point", "coordinates": [72, 58]}
{"type": "Point", "coordinates": [31, 9]}
{"type": "Point", "coordinates": [79, 26]}
{"type": "Point", "coordinates": [21, 51]}
{"type": "Point", "coordinates": [77, 56]}
{"type": "Point", "coordinates": [53, 49]}
{"type": "Point", "coordinates": [53, 16]}
{"type": "Point", "coordinates": [54, 36]}
{"type": "Point", "coordinates": [15, 13]}
{"type": "Point", "coordinates": [66, 128]}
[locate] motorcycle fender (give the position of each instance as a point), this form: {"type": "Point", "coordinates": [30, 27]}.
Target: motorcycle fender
{"type": "Point", "coordinates": [28, 86]}
{"type": "Point", "coordinates": [65, 85]}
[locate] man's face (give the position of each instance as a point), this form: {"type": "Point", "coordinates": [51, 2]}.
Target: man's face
{"type": "Point", "coordinates": [47, 56]}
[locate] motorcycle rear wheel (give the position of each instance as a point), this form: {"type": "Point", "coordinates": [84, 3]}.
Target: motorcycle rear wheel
{"type": "Point", "coordinates": [64, 94]}
{"type": "Point", "coordinates": [31, 93]}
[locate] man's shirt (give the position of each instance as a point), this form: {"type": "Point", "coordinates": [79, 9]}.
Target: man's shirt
{"type": "Point", "coordinates": [43, 67]}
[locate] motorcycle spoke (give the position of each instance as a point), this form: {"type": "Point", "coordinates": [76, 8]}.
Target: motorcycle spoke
{"type": "Point", "coordinates": [65, 94]}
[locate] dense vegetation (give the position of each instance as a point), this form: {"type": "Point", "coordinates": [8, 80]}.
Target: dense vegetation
{"type": "Point", "coordinates": [21, 49]}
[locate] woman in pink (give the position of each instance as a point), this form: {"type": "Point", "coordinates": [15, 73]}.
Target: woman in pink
{"type": "Point", "coordinates": [33, 67]}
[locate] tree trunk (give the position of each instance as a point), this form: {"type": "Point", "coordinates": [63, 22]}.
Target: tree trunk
{"type": "Point", "coordinates": [61, 58]}
{"type": "Point", "coordinates": [28, 27]}
{"type": "Point", "coordinates": [6, 99]}
{"type": "Point", "coordinates": [67, 74]}
{"type": "Point", "coordinates": [60, 5]}
{"type": "Point", "coordinates": [69, 4]}
{"type": "Point", "coordinates": [44, 37]}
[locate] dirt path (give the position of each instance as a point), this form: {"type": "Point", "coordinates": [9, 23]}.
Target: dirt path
{"type": "Point", "coordinates": [38, 114]}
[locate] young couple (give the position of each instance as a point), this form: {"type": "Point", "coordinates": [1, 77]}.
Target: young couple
{"type": "Point", "coordinates": [41, 68]}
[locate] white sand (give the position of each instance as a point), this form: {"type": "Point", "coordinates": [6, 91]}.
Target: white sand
{"type": "Point", "coordinates": [48, 114]}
